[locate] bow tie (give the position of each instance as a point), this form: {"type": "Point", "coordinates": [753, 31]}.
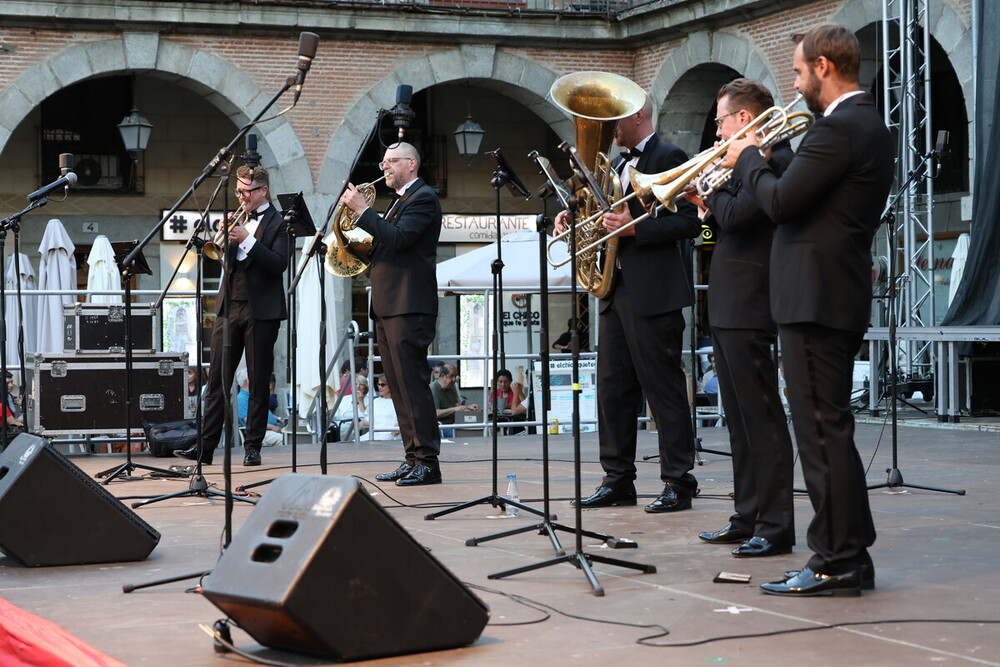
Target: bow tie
{"type": "Point", "coordinates": [630, 154]}
{"type": "Point", "coordinates": [253, 216]}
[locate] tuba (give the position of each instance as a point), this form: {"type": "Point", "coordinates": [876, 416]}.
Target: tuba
{"type": "Point", "coordinates": [346, 257]}
{"type": "Point", "coordinates": [596, 101]}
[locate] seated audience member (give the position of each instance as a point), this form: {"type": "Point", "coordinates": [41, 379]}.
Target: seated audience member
{"type": "Point", "coordinates": [345, 415]}
{"type": "Point", "coordinates": [506, 398]}
{"type": "Point", "coordinates": [383, 420]}
{"type": "Point", "coordinates": [447, 401]}
{"type": "Point", "coordinates": [272, 436]}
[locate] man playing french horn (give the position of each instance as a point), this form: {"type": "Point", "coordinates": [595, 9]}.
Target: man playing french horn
{"type": "Point", "coordinates": [641, 332]}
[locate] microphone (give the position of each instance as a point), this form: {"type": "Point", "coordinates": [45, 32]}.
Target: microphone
{"type": "Point", "coordinates": [308, 43]}
{"type": "Point", "coordinates": [402, 114]}
{"type": "Point", "coordinates": [66, 181]}
{"type": "Point", "coordinates": [941, 150]}
{"type": "Point", "coordinates": [251, 158]}
{"type": "Point", "coordinates": [65, 163]}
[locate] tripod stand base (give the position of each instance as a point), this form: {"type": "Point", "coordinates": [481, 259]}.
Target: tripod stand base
{"type": "Point", "coordinates": [197, 488]}
{"type": "Point", "coordinates": [496, 500]}
{"type": "Point", "coordinates": [581, 560]}
{"type": "Point", "coordinates": [894, 480]}
{"type": "Point", "coordinates": [549, 527]}
{"type": "Point", "coordinates": [125, 470]}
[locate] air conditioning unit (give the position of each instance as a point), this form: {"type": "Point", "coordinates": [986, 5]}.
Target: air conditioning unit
{"type": "Point", "coordinates": [97, 172]}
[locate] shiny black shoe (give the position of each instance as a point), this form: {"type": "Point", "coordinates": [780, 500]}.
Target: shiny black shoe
{"type": "Point", "coordinates": [421, 475]}
{"type": "Point", "coordinates": [725, 535]}
{"type": "Point", "coordinates": [867, 576]}
{"type": "Point", "coordinates": [606, 496]}
{"type": "Point", "coordinates": [402, 471]}
{"type": "Point", "coordinates": [251, 458]}
{"type": "Point", "coordinates": [673, 499]}
{"type": "Point", "coordinates": [808, 583]}
{"type": "Point", "coordinates": [192, 455]}
{"type": "Point", "coordinates": [760, 547]}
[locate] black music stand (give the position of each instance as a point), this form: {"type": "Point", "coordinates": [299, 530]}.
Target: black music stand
{"type": "Point", "coordinates": [579, 558]}
{"type": "Point", "coordinates": [137, 265]}
{"type": "Point", "coordinates": [502, 175]}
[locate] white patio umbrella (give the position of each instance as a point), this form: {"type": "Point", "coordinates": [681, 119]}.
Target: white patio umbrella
{"type": "Point", "coordinates": [307, 314]}
{"type": "Point", "coordinates": [29, 306]}
{"type": "Point", "coordinates": [473, 270]}
{"type": "Point", "coordinates": [959, 257]}
{"type": "Point", "coordinates": [56, 271]}
{"type": "Point", "coordinates": [103, 272]}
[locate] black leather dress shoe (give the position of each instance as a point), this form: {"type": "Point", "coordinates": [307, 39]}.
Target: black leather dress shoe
{"type": "Point", "coordinates": [606, 496]}
{"type": "Point", "coordinates": [760, 547]}
{"type": "Point", "coordinates": [867, 576]}
{"type": "Point", "coordinates": [725, 535]}
{"type": "Point", "coordinates": [251, 458]}
{"type": "Point", "coordinates": [808, 583]}
{"type": "Point", "coordinates": [403, 470]}
{"type": "Point", "coordinates": [421, 475]}
{"type": "Point", "coordinates": [673, 499]}
{"type": "Point", "coordinates": [192, 454]}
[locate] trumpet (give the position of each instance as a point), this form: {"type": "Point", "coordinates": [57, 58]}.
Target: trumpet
{"type": "Point", "coordinates": [663, 190]}
{"type": "Point", "coordinates": [345, 257]}
{"type": "Point", "coordinates": [216, 248]}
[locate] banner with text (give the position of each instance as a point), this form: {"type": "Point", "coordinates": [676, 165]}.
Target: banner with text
{"type": "Point", "coordinates": [462, 228]}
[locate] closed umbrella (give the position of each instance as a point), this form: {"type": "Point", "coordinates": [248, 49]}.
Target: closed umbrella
{"type": "Point", "coordinates": [29, 308]}
{"type": "Point", "coordinates": [103, 272]}
{"type": "Point", "coordinates": [56, 271]}
{"type": "Point", "coordinates": [307, 309]}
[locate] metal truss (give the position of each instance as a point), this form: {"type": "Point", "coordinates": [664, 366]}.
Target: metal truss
{"type": "Point", "coordinates": [907, 110]}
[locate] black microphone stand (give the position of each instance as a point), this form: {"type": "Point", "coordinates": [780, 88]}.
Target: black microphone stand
{"type": "Point", "coordinates": [14, 223]}
{"type": "Point", "coordinates": [894, 478]}
{"type": "Point", "coordinates": [502, 175]}
{"type": "Point", "coordinates": [579, 558]}
{"type": "Point", "coordinates": [124, 471]}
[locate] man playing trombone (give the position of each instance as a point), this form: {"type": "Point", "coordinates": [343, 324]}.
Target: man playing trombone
{"type": "Point", "coordinates": [743, 334]}
{"type": "Point", "coordinates": [250, 307]}
{"type": "Point", "coordinates": [641, 332]}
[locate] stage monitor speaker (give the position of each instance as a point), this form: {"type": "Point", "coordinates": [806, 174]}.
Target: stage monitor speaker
{"type": "Point", "coordinates": [320, 568]}
{"type": "Point", "coordinates": [52, 513]}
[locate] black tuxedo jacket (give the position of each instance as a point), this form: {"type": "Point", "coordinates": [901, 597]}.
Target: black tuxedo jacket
{"type": "Point", "coordinates": [265, 263]}
{"type": "Point", "coordinates": [738, 285]}
{"type": "Point", "coordinates": [404, 250]}
{"type": "Point", "coordinates": [656, 262]}
{"type": "Point", "coordinates": [827, 206]}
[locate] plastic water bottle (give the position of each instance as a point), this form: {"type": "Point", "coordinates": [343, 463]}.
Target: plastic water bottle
{"type": "Point", "coordinates": [512, 494]}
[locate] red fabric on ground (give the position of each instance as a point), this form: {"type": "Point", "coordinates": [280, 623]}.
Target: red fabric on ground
{"type": "Point", "coordinates": [29, 641]}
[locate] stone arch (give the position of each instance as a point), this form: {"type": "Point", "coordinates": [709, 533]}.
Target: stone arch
{"type": "Point", "coordinates": [215, 79]}
{"type": "Point", "coordinates": [718, 55]}
{"type": "Point", "coordinates": [518, 78]}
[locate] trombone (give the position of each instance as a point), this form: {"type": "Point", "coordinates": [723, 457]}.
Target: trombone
{"type": "Point", "coordinates": [663, 190]}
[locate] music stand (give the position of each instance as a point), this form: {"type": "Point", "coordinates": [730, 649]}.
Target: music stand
{"type": "Point", "coordinates": [137, 265]}
{"type": "Point", "coordinates": [299, 222]}
{"type": "Point", "coordinates": [502, 175]}
{"type": "Point", "coordinates": [579, 558]}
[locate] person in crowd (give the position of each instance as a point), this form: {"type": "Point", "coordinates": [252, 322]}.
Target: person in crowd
{"type": "Point", "coordinates": [827, 205]}
{"type": "Point", "coordinates": [743, 335]}
{"type": "Point", "coordinates": [272, 436]}
{"type": "Point", "coordinates": [447, 400]}
{"type": "Point", "coordinates": [404, 304]}
{"type": "Point", "coordinates": [385, 425]}
{"type": "Point", "coordinates": [345, 414]}
{"type": "Point", "coordinates": [641, 330]}
{"type": "Point", "coordinates": [249, 309]}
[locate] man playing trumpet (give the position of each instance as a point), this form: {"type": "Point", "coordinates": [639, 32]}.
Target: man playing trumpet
{"type": "Point", "coordinates": [743, 334]}
{"type": "Point", "coordinates": [641, 332]}
{"type": "Point", "coordinates": [249, 309]}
